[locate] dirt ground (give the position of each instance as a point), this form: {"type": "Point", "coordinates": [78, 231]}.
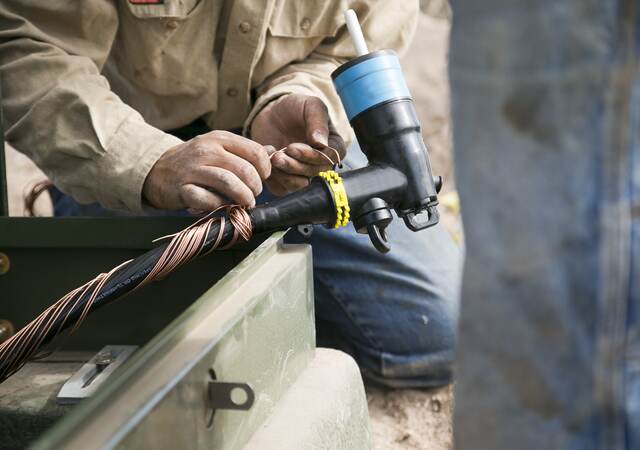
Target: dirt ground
{"type": "Point", "coordinates": [400, 419]}
{"type": "Point", "coordinates": [411, 419]}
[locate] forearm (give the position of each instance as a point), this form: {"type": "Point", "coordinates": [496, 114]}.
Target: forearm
{"type": "Point", "coordinates": [61, 112]}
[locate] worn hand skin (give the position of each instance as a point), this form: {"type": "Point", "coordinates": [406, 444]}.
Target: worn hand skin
{"type": "Point", "coordinates": [296, 123]}
{"type": "Point", "coordinates": [208, 171]}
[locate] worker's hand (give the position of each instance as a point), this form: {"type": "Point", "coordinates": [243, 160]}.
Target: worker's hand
{"type": "Point", "coordinates": [208, 171]}
{"type": "Point", "coordinates": [296, 123]}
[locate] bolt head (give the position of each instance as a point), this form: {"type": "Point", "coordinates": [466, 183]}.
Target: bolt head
{"type": "Point", "coordinates": [6, 330]}
{"type": "Point", "coordinates": [5, 263]}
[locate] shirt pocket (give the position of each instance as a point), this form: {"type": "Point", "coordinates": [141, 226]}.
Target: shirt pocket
{"type": "Point", "coordinates": [167, 49]}
{"type": "Point", "coordinates": [296, 28]}
{"type": "Point", "coordinates": [176, 9]}
{"type": "Point", "coordinates": [306, 19]}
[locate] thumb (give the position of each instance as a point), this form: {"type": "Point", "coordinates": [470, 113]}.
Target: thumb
{"type": "Point", "coordinates": [316, 119]}
{"type": "Point", "coordinates": [270, 149]}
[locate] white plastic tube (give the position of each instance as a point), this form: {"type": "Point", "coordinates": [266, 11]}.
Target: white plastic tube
{"type": "Point", "coordinates": [356, 32]}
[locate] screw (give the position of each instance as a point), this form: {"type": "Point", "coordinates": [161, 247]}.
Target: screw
{"type": "Point", "coordinates": [6, 330]}
{"type": "Point", "coordinates": [5, 264]}
{"type": "Point", "coordinates": [102, 360]}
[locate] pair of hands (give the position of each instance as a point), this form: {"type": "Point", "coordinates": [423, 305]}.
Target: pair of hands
{"type": "Point", "coordinates": [219, 167]}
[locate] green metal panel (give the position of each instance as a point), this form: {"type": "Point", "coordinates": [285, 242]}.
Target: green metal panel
{"type": "Point", "coordinates": [92, 232]}
{"type": "Point", "coordinates": [255, 325]}
{"type": "Point", "coordinates": [51, 256]}
{"type": "Point", "coordinates": [4, 197]}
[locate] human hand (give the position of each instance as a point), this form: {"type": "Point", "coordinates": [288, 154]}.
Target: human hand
{"type": "Point", "coordinates": [301, 127]}
{"type": "Point", "coordinates": [208, 171]}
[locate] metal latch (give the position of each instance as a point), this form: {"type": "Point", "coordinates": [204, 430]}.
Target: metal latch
{"type": "Point", "coordinates": [233, 396]}
{"type": "Point", "coordinates": [94, 372]}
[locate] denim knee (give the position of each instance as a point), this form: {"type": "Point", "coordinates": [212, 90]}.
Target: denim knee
{"type": "Point", "coordinates": [410, 354]}
{"type": "Point", "coordinates": [396, 314]}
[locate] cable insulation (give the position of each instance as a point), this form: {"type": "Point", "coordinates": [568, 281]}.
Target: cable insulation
{"type": "Point", "coordinates": [218, 230]}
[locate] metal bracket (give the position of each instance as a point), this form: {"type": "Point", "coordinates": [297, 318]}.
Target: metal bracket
{"type": "Point", "coordinates": [232, 396]}
{"type": "Point", "coordinates": [306, 230]}
{"type": "Point", "coordinates": [4, 198]}
{"type": "Point", "coordinates": [5, 263]}
{"type": "Point", "coordinates": [92, 374]}
{"type": "Point", "coordinates": [423, 219]}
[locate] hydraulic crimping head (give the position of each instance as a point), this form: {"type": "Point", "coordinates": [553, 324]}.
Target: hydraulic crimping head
{"type": "Point", "coordinates": [380, 109]}
{"type": "Point", "coordinates": [378, 104]}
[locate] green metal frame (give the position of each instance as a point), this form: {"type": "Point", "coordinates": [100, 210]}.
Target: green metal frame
{"type": "Point", "coordinates": [51, 256]}
{"type": "Point", "coordinates": [4, 198]}
{"type": "Point", "coordinates": [255, 325]}
{"type": "Point", "coordinates": [91, 232]}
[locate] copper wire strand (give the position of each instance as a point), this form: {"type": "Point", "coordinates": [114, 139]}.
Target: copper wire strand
{"type": "Point", "coordinates": [331, 161]}
{"type": "Point", "coordinates": [184, 246]}
{"type": "Point", "coordinates": [82, 289]}
{"type": "Point", "coordinates": [29, 339]}
{"type": "Point", "coordinates": [87, 307]}
{"type": "Point", "coordinates": [26, 334]}
{"type": "Point", "coordinates": [218, 240]}
{"type": "Point", "coordinates": [20, 347]}
{"type": "Point", "coordinates": [33, 195]}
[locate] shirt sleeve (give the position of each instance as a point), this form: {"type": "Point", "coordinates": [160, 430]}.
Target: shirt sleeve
{"type": "Point", "coordinates": [58, 108]}
{"type": "Point", "coordinates": [385, 25]}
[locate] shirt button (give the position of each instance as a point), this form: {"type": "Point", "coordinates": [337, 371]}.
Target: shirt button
{"type": "Point", "coordinates": [232, 92]}
{"type": "Point", "coordinates": [305, 24]}
{"type": "Point", "coordinates": [172, 24]}
{"type": "Point", "coordinates": [245, 27]}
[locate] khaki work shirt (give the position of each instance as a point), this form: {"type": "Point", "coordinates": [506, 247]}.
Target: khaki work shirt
{"type": "Point", "coordinates": [89, 85]}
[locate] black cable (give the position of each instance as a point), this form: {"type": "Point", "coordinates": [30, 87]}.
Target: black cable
{"type": "Point", "coordinates": [121, 282]}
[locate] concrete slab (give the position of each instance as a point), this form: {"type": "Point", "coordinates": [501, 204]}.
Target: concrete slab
{"type": "Point", "coordinates": [305, 417]}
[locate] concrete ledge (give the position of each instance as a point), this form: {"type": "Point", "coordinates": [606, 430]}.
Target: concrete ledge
{"type": "Point", "coordinates": [325, 408]}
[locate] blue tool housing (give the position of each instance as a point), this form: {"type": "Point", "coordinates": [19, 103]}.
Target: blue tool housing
{"type": "Point", "coordinates": [381, 112]}
{"type": "Point", "coordinates": [370, 80]}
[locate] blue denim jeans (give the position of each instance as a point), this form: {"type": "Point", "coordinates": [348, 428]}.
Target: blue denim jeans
{"type": "Point", "coordinates": [546, 131]}
{"type": "Point", "coordinates": [395, 313]}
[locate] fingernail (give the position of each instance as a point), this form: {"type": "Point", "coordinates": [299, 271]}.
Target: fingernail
{"type": "Point", "coordinates": [320, 137]}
